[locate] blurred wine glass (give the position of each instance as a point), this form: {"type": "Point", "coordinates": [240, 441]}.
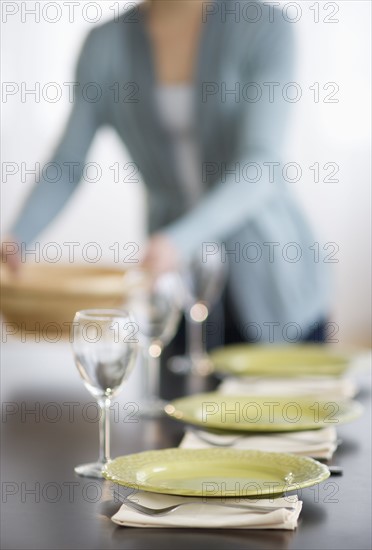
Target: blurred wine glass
{"type": "Point", "coordinates": [157, 305]}
{"type": "Point", "coordinates": [104, 346]}
{"type": "Point", "coordinates": [204, 282]}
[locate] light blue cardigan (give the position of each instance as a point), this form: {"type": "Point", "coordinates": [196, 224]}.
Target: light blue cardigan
{"type": "Point", "coordinates": [233, 130]}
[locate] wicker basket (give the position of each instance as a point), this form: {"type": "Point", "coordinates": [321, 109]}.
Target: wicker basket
{"type": "Point", "coordinates": [45, 297]}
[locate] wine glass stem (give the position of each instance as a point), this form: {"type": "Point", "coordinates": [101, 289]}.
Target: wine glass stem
{"type": "Point", "coordinates": [153, 378]}
{"type": "Point", "coordinates": [104, 431]}
{"type": "Point", "coordinates": [195, 345]}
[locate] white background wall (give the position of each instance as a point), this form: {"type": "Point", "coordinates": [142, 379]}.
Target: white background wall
{"type": "Point", "coordinates": [327, 52]}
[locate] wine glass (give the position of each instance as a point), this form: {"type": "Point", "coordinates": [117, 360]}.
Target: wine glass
{"type": "Point", "coordinates": [157, 305]}
{"type": "Point", "coordinates": [105, 346]}
{"type": "Point", "coordinates": [203, 282]}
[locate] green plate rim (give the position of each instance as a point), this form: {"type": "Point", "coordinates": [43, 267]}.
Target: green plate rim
{"type": "Point", "coordinates": [320, 471]}
{"type": "Point", "coordinates": [354, 411]}
{"type": "Point", "coordinates": [221, 365]}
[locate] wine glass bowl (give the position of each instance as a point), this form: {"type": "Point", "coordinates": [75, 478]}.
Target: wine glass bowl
{"type": "Point", "coordinates": [104, 346]}
{"type": "Point", "coordinates": [157, 304]}
{"type": "Point", "coordinates": [204, 282]}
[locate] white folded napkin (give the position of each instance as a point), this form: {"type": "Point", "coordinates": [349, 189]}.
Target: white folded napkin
{"type": "Point", "coordinates": [205, 515]}
{"type": "Point", "coordinates": [329, 387]}
{"type": "Point", "coordinates": [314, 443]}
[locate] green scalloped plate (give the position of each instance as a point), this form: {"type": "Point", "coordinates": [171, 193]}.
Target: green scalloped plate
{"type": "Point", "coordinates": [261, 413]}
{"type": "Point", "coordinates": [290, 360]}
{"type": "Point", "coordinates": [215, 472]}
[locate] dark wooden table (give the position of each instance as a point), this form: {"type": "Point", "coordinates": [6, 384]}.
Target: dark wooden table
{"type": "Point", "coordinates": [45, 506]}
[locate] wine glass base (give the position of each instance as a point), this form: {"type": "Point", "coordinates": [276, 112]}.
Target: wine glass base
{"type": "Point", "coordinates": [152, 409]}
{"type": "Point", "coordinates": [94, 469]}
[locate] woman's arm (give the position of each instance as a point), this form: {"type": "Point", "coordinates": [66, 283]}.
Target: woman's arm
{"type": "Point", "coordinates": [230, 204]}
{"type": "Point", "coordinates": [47, 198]}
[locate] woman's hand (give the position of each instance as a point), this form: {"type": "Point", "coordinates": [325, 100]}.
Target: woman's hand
{"type": "Point", "coordinates": [10, 254]}
{"type": "Point", "coordinates": [161, 255]}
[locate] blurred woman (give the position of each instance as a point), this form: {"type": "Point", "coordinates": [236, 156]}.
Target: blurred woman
{"type": "Point", "coordinates": [203, 117]}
